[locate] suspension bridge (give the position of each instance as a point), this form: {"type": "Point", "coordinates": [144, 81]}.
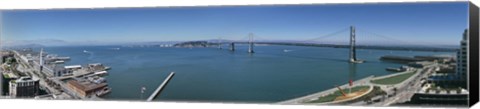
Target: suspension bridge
{"type": "Point", "coordinates": [370, 40]}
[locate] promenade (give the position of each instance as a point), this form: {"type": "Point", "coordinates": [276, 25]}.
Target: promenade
{"type": "Point", "coordinates": [303, 99]}
{"type": "Point", "coordinates": [404, 90]}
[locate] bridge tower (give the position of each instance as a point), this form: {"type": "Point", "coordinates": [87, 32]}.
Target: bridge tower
{"type": "Point", "coordinates": [220, 42]}
{"type": "Point", "coordinates": [353, 51]}
{"type": "Point", "coordinates": [250, 43]}
{"type": "Point", "coordinates": [232, 46]}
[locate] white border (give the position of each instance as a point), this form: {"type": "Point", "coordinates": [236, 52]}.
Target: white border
{"type": "Point", "coordinates": [49, 4]}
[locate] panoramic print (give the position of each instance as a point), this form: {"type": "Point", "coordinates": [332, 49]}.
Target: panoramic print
{"type": "Point", "coordinates": [379, 54]}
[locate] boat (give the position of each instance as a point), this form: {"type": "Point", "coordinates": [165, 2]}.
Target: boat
{"type": "Point", "coordinates": [401, 69]}
{"type": "Point", "coordinates": [393, 69]}
{"type": "Point", "coordinates": [108, 68]}
{"type": "Point", "coordinates": [62, 58]}
{"type": "Point", "coordinates": [58, 62]}
{"type": "Point", "coordinates": [358, 61]}
{"type": "Point", "coordinates": [85, 51]}
{"type": "Point", "coordinates": [101, 73]}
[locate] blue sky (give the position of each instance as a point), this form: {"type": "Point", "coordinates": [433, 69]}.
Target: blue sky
{"type": "Point", "coordinates": [436, 23]}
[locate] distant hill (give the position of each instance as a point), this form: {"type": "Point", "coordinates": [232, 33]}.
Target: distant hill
{"type": "Point", "coordinates": [34, 43]}
{"type": "Point", "coordinates": [26, 46]}
{"type": "Point", "coordinates": [195, 44]}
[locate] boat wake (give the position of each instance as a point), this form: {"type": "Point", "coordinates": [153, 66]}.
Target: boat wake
{"type": "Point", "coordinates": [285, 50]}
{"type": "Point", "coordinates": [114, 48]}
{"type": "Point", "coordinates": [90, 53]}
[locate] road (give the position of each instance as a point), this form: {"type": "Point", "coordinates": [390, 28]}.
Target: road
{"type": "Point", "coordinates": [407, 88]}
{"type": "Point", "coordinates": [28, 69]}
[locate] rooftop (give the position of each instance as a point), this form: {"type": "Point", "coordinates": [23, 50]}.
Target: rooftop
{"type": "Point", "coordinates": [26, 79]}
{"type": "Point", "coordinates": [73, 66]}
{"type": "Point", "coordinates": [86, 86]}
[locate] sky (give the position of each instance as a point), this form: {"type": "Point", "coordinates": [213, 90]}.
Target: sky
{"type": "Point", "coordinates": [429, 23]}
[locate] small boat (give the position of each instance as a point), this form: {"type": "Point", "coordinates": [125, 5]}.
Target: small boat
{"type": "Point", "coordinates": [85, 51]}
{"type": "Point", "coordinates": [58, 62]}
{"type": "Point", "coordinates": [104, 91]}
{"type": "Point", "coordinates": [101, 73]}
{"type": "Point", "coordinates": [393, 69]}
{"type": "Point", "coordinates": [401, 69]}
{"type": "Point", "coordinates": [108, 68]}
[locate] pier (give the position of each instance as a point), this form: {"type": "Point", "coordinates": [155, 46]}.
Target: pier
{"type": "Point", "coordinates": [160, 88]}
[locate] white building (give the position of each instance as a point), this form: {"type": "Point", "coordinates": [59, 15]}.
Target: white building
{"type": "Point", "coordinates": [462, 60]}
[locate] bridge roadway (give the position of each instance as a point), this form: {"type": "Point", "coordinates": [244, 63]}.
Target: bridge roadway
{"type": "Point", "coordinates": [374, 47]}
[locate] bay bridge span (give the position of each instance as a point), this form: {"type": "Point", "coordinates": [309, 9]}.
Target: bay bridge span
{"type": "Point", "coordinates": [386, 43]}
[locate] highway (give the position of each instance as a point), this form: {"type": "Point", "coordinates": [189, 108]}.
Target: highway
{"type": "Point", "coordinates": [407, 88]}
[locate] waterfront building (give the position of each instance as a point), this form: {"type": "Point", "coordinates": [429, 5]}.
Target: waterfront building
{"type": "Point", "coordinates": [52, 70]}
{"type": "Point", "coordinates": [462, 60]}
{"type": "Point", "coordinates": [85, 88]}
{"type": "Point", "coordinates": [450, 97]}
{"type": "Point", "coordinates": [73, 67]}
{"type": "Point", "coordinates": [60, 71]}
{"type": "Point", "coordinates": [24, 87]}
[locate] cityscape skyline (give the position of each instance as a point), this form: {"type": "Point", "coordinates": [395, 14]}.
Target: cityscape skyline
{"type": "Point", "coordinates": [420, 21]}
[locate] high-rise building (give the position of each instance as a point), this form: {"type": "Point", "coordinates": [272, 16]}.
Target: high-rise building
{"type": "Point", "coordinates": [1, 83]}
{"type": "Point", "coordinates": [462, 60]}
{"type": "Point", "coordinates": [24, 87]}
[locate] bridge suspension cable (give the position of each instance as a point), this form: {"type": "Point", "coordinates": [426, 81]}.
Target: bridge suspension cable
{"type": "Point", "coordinates": [327, 35]}
{"type": "Point", "coordinates": [426, 44]}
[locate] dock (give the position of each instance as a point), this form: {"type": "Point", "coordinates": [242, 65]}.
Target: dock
{"type": "Point", "coordinates": [160, 88]}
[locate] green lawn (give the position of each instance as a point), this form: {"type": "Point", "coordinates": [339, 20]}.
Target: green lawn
{"type": "Point", "coordinates": [336, 94]}
{"type": "Point", "coordinates": [394, 79]}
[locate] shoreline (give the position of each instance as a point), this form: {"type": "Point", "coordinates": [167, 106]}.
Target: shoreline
{"type": "Point", "coordinates": [300, 100]}
{"type": "Point", "coordinates": [363, 81]}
